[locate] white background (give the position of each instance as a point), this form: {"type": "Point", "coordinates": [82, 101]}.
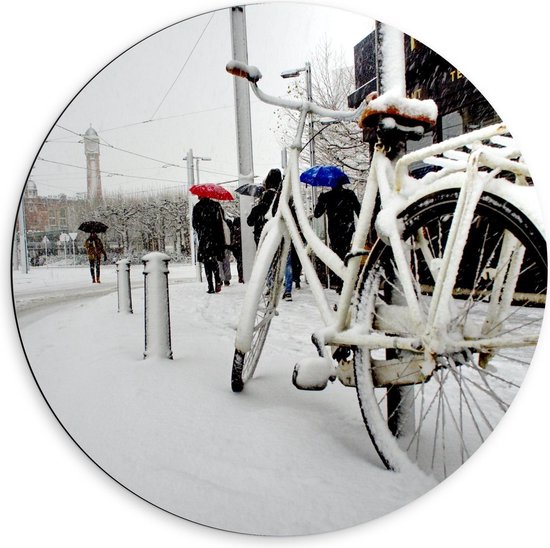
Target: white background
{"type": "Point", "coordinates": [51, 493]}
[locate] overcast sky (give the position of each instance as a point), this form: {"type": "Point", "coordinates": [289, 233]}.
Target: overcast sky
{"type": "Point", "coordinates": [171, 93]}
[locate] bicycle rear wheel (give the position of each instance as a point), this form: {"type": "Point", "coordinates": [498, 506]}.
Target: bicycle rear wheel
{"type": "Point", "coordinates": [244, 363]}
{"type": "Point", "coordinates": [438, 421]}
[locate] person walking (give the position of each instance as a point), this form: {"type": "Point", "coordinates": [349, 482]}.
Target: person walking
{"type": "Point", "coordinates": [225, 264]}
{"type": "Point", "coordinates": [95, 250]}
{"type": "Point", "coordinates": [293, 269]}
{"type": "Point", "coordinates": [339, 204]}
{"type": "Point", "coordinates": [258, 214]}
{"type": "Point", "coordinates": [236, 245]}
{"type": "Point", "coordinates": [293, 266]}
{"type": "Point", "coordinates": [207, 220]}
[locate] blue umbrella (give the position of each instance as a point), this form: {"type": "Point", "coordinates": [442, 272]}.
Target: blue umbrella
{"type": "Point", "coordinates": [329, 176]}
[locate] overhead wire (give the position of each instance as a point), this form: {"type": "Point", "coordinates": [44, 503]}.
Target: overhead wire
{"type": "Point", "coordinates": [140, 155]}
{"type": "Point", "coordinates": [109, 145]}
{"type": "Point", "coordinates": [164, 162]}
{"type": "Point", "coordinates": [114, 174]}
{"type": "Point", "coordinates": [162, 118]}
{"type": "Point", "coordinates": [111, 173]}
{"type": "Point", "coordinates": [184, 65]}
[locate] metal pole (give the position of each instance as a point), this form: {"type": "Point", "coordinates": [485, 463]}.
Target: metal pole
{"type": "Point", "coordinates": [198, 171]}
{"type": "Point", "coordinates": [309, 90]}
{"type": "Point", "coordinates": [391, 67]}
{"type": "Point", "coordinates": [198, 158]}
{"type": "Point", "coordinates": [244, 136]}
{"type": "Point", "coordinates": [190, 204]}
{"type": "Point", "coordinates": [284, 159]}
{"type": "Point", "coordinates": [311, 134]}
{"type": "Point", "coordinates": [23, 251]}
{"type": "Point", "coordinates": [73, 236]}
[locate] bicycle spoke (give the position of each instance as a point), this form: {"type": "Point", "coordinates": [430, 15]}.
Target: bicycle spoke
{"type": "Point", "coordinates": [464, 397]}
{"type": "Point", "coordinates": [490, 392]}
{"type": "Point", "coordinates": [515, 311]}
{"type": "Point", "coordinates": [457, 423]}
{"type": "Point", "coordinates": [477, 278]}
{"type": "Point", "coordinates": [472, 298]}
{"type": "Point", "coordinates": [512, 359]}
{"type": "Point", "coordinates": [460, 402]}
{"type": "Point", "coordinates": [530, 322]}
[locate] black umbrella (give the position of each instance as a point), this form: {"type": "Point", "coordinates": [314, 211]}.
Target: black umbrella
{"type": "Point", "coordinates": [250, 189]}
{"type": "Point", "coordinates": [93, 226]}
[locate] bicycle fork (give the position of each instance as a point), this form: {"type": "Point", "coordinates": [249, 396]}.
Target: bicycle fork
{"type": "Point", "coordinates": [447, 270]}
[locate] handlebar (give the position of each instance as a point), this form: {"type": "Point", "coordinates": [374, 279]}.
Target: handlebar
{"type": "Point", "coordinates": [253, 75]}
{"type": "Point", "coordinates": [242, 70]}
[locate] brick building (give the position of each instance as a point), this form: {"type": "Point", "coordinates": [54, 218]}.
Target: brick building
{"type": "Point", "coordinates": [48, 216]}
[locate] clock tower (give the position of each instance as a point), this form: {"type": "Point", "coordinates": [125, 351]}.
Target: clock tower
{"type": "Point", "coordinates": [91, 149]}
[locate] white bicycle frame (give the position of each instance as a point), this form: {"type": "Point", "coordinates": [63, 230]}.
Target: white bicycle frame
{"type": "Point", "coordinates": [391, 181]}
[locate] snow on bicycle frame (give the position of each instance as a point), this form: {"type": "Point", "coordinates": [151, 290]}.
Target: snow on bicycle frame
{"type": "Point", "coordinates": [417, 305]}
{"type": "Point", "coordinates": [390, 107]}
{"type": "Point", "coordinates": [413, 117]}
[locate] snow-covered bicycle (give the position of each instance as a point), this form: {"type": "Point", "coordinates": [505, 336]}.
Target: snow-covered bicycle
{"type": "Point", "coordinates": [439, 317]}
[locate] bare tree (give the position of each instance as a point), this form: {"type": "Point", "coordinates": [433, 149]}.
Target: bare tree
{"type": "Point", "coordinates": [142, 223]}
{"type": "Point", "coordinates": [174, 211]}
{"type": "Point", "coordinates": [119, 213]}
{"type": "Point", "coordinates": [341, 143]}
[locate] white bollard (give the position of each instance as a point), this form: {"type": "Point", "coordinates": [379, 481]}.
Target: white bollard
{"type": "Point", "coordinates": [157, 306]}
{"type": "Point", "coordinates": [123, 286]}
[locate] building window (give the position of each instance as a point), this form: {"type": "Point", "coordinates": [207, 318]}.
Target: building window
{"type": "Point", "coordinates": [52, 218]}
{"type": "Point", "coordinates": [63, 217]}
{"type": "Point", "coordinates": [452, 125]}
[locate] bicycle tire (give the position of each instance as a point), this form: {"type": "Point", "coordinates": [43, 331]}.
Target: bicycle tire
{"type": "Point", "coordinates": [447, 416]}
{"type": "Point", "coordinates": [245, 363]}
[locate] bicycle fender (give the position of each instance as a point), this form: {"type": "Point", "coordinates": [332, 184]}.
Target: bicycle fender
{"type": "Point", "coordinates": [524, 198]}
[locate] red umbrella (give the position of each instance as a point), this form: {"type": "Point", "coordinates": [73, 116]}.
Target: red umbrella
{"type": "Point", "coordinates": [211, 190]}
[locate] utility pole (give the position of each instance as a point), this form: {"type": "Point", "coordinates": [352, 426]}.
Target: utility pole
{"type": "Point", "coordinates": [197, 159]}
{"type": "Point", "coordinates": [309, 91]}
{"type": "Point", "coordinates": [244, 135]}
{"type": "Point", "coordinates": [190, 204]}
{"type": "Point", "coordinates": [284, 160]}
{"type": "Point", "coordinates": [294, 73]}
{"type": "Point", "coordinates": [23, 251]}
{"type": "Point", "coordinates": [400, 403]}
{"type": "Point", "coordinates": [392, 50]}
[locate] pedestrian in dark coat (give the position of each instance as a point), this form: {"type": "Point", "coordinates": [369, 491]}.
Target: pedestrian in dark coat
{"type": "Point", "coordinates": [95, 250]}
{"type": "Point", "coordinates": [225, 265]}
{"type": "Point", "coordinates": [207, 221]}
{"type": "Point", "coordinates": [257, 216]}
{"type": "Point", "coordinates": [340, 205]}
{"type": "Point", "coordinates": [236, 245]}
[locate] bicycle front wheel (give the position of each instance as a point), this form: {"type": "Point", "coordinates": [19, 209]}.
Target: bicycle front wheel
{"type": "Point", "coordinates": [245, 362]}
{"type": "Point", "coordinates": [438, 420]}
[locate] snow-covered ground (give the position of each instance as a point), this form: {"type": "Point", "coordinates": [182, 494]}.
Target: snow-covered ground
{"type": "Point", "coordinates": [270, 460]}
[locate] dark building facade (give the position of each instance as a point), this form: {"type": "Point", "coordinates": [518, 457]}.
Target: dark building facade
{"type": "Point", "coordinates": [461, 106]}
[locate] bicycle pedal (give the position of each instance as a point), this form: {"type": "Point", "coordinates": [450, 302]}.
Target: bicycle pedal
{"type": "Point", "coordinates": [313, 373]}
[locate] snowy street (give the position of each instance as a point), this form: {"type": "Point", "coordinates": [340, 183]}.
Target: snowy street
{"type": "Point", "coordinates": [270, 460]}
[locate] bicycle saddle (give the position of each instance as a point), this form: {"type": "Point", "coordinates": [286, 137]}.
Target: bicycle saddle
{"type": "Point", "coordinates": [393, 112]}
